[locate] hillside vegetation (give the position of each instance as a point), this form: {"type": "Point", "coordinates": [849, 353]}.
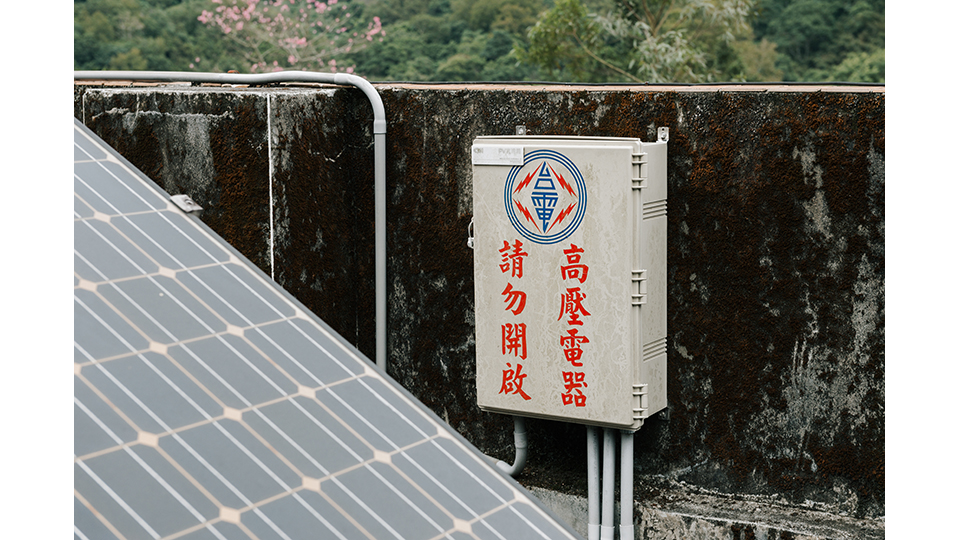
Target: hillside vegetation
{"type": "Point", "coordinates": [492, 40]}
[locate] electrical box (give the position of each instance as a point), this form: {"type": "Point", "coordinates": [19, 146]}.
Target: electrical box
{"type": "Point", "coordinates": [570, 277]}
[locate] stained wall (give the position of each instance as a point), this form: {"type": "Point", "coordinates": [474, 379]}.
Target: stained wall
{"type": "Point", "coordinates": [775, 254]}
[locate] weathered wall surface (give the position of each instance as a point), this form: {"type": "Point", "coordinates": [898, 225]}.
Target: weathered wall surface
{"type": "Point", "coordinates": [776, 255]}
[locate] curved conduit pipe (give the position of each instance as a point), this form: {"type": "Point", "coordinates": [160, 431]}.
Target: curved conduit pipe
{"type": "Point", "coordinates": [520, 441]}
{"type": "Point", "coordinates": [379, 143]}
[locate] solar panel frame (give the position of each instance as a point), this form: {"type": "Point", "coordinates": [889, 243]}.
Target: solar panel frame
{"type": "Point", "coordinates": [204, 392]}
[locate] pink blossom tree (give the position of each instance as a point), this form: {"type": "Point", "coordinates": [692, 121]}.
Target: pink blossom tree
{"type": "Point", "coordinates": [271, 35]}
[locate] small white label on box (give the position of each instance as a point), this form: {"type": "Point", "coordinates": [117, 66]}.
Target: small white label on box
{"type": "Point", "coordinates": [484, 154]}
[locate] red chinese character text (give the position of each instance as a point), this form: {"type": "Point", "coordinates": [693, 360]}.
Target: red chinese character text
{"type": "Point", "coordinates": [514, 339]}
{"type": "Point", "coordinates": [513, 297]}
{"type": "Point", "coordinates": [571, 304]}
{"type": "Point", "coordinates": [572, 382]}
{"type": "Point", "coordinates": [571, 346]}
{"type": "Point", "coordinates": [512, 259]}
{"type": "Point", "coordinates": [513, 382]}
{"type": "Point", "coordinates": [574, 270]}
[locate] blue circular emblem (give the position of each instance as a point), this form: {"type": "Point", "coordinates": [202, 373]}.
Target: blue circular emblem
{"type": "Point", "coordinates": [545, 198]}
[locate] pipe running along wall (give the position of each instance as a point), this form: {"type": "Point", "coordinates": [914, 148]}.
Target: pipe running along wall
{"type": "Point", "coordinates": [601, 505]}
{"type": "Point", "coordinates": [593, 483]}
{"type": "Point", "coordinates": [626, 485]}
{"type": "Point", "coordinates": [607, 483]}
{"type": "Point", "coordinates": [379, 134]}
{"type": "Point", "coordinates": [520, 442]}
{"type": "Point", "coordinates": [379, 142]}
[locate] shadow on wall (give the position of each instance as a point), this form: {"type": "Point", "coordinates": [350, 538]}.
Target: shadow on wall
{"type": "Point", "coordinates": [775, 255]}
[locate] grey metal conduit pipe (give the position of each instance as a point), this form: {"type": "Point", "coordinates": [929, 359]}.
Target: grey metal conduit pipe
{"type": "Point", "coordinates": [605, 531]}
{"type": "Point", "coordinates": [520, 441]}
{"type": "Point", "coordinates": [606, 498]}
{"type": "Point", "coordinates": [379, 144]}
{"type": "Point", "coordinates": [626, 486]}
{"type": "Point", "coordinates": [593, 483]}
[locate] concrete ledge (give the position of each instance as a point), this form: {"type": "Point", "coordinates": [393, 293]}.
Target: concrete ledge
{"type": "Point", "coordinates": [680, 511]}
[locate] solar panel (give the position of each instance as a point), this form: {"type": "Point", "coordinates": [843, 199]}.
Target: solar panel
{"type": "Point", "coordinates": [210, 404]}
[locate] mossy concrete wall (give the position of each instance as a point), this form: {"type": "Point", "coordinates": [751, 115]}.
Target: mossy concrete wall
{"type": "Point", "coordinates": [775, 261]}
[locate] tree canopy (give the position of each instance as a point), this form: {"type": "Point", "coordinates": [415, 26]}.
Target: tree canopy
{"type": "Point", "coordinates": [492, 40]}
{"type": "Point", "coordinates": [645, 40]}
{"type": "Point", "coordinates": [825, 40]}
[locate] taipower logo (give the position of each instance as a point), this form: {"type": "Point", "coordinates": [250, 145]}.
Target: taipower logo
{"type": "Point", "coordinates": [546, 197]}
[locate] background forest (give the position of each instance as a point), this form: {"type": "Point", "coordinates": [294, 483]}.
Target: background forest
{"type": "Point", "coordinates": [492, 40]}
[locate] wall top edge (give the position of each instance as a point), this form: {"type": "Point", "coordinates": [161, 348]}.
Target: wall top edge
{"type": "Point", "coordinates": [702, 88]}
{"type": "Point", "coordinates": [533, 87]}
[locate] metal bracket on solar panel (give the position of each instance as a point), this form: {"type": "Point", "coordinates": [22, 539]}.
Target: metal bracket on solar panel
{"type": "Point", "coordinates": [186, 203]}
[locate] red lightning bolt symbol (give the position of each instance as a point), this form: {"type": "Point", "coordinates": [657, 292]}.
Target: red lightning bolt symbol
{"type": "Point", "coordinates": [562, 215]}
{"type": "Point", "coordinates": [563, 183]}
{"type": "Point", "coordinates": [525, 212]}
{"type": "Point", "coordinates": [525, 181]}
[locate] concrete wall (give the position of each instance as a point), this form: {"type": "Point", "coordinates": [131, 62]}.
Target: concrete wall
{"type": "Point", "coordinates": [776, 255]}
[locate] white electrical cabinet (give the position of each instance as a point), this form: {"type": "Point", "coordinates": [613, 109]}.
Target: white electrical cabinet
{"type": "Point", "coordinates": [570, 277]}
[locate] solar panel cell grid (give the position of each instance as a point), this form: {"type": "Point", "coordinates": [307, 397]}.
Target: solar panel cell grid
{"type": "Point", "coordinates": [209, 404]}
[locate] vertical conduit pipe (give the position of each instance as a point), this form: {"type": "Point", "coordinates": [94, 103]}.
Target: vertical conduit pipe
{"type": "Point", "coordinates": [609, 463]}
{"type": "Point", "coordinates": [379, 142]}
{"type": "Point", "coordinates": [380, 237]}
{"type": "Point", "coordinates": [626, 485]}
{"type": "Point", "coordinates": [593, 484]}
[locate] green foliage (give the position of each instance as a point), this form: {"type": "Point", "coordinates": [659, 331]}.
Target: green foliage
{"type": "Point", "coordinates": [515, 40]}
{"type": "Point", "coordinates": [460, 67]}
{"type": "Point", "coordinates": [131, 60]}
{"type": "Point", "coordinates": [293, 34]}
{"type": "Point", "coordinates": [145, 34]}
{"type": "Point", "coordinates": [395, 11]}
{"type": "Point", "coordinates": [512, 16]}
{"type": "Point", "coordinates": [755, 61]}
{"type": "Point", "coordinates": [411, 50]}
{"type": "Point", "coordinates": [451, 41]}
{"type": "Point", "coordinates": [642, 40]}
{"type": "Point", "coordinates": [563, 41]}
{"type": "Point", "coordinates": [815, 37]}
{"type": "Point", "coordinates": [860, 67]}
